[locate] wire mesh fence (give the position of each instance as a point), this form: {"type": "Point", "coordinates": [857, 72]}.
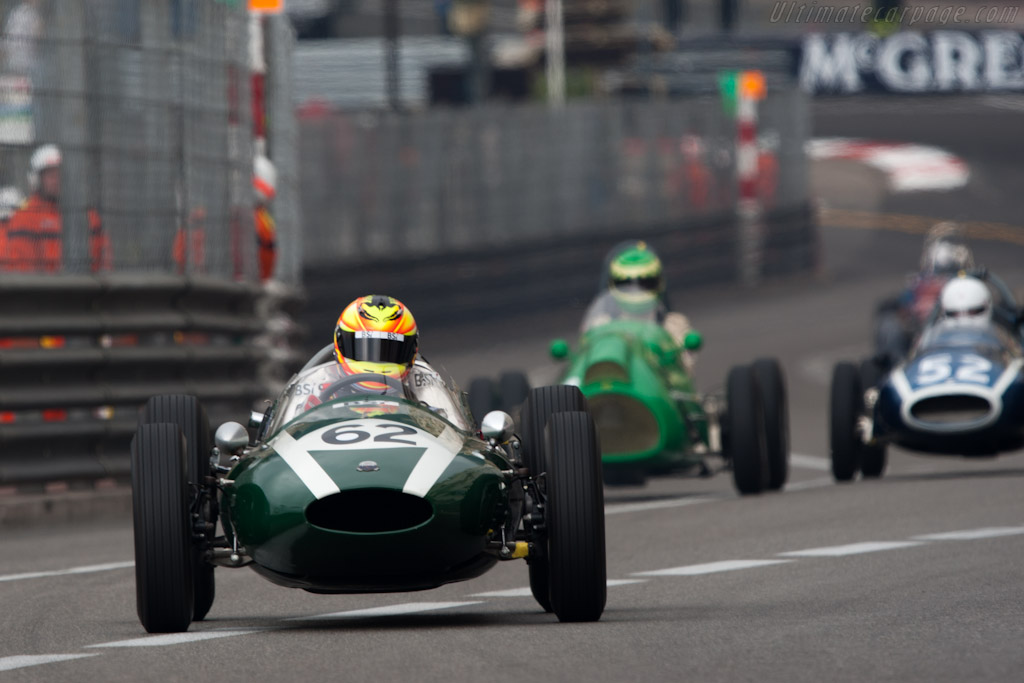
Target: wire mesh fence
{"type": "Point", "coordinates": [449, 180]}
{"type": "Point", "coordinates": [148, 108]}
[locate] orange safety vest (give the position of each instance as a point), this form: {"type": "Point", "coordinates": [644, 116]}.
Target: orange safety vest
{"type": "Point", "coordinates": [266, 239]}
{"type": "Point", "coordinates": [33, 239]}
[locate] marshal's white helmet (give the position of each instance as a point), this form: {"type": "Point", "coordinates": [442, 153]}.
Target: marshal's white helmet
{"type": "Point", "coordinates": [46, 156]}
{"type": "Point", "coordinates": [10, 200]}
{"type": "Point", "coordinates": [966, 299]}
{"type": "Point", "coordinates": [264, 178]}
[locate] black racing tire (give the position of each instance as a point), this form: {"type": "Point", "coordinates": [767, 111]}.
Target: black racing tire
{"type": "Point", "coordinates": [747, 443]}
{"type": "Point", "coordinates": [772, 384]}
{"type": "Point", "coordinates": [483, 397]}
{"type": "Point", "coordinates": [540, 405]}
{"type": "Point", "coordinates": [188, 413]}
{"type": "Point", "coordinates": [873, 461]}
{"type": "Point", "coordinates": [847, 401]}
{"type": "Point", "coordinates": [575, 518]}
{"type": "Point", "coordinates": [513, 388]}
{"type": "Point", "coordinates": [164, 572]}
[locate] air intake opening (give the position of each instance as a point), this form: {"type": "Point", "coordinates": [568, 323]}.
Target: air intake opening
{"type": "Point", "coordinates": [624, 424]}
{"type": "Point", "coordinates": [369, 511]}
{"type": "Point", "coordinates": [951, 409]}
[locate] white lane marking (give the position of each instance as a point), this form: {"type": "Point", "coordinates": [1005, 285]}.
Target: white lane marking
{"type": "Point", "coordinates": [510, 593]}
{"type": "Point", "coordinates": [810, 462]}
{"type": "Point", "coordinates": [179, 638]}
{"type": "Point", "coordinates": [972, 534]}
{"type": "Point", "coordinates": [1004, 102]}
{"type": "Point", "coordinates": [527, 593]}
{"type": "Point", "coordinates": [87, 569]}
{"type": "Point", "coordinates": [622, 508]}
{"type": "Point", "coordinates": [711, 567]}
{"type": "Point", "coordinates": [851, 549]}
{"type": "Point", "coordinates": [428, 470]}
{"type": "Point", "coordinates": [818, 483]}
{"type": "Point", "coordinates": [305, 467]}
{"type": "Point", "coordinates": [22, 661]}
{"type": "Point", "coordinates": [388, 610]}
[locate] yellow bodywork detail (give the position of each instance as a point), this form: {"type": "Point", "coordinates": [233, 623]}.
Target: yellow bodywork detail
{"type": "Point", "coordinates": [522, 549]}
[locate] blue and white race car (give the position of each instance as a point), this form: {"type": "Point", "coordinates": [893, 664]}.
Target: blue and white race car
{"type": "Point", "coordinates": [959, 392]}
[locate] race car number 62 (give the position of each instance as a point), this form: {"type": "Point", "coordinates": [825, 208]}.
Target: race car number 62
{"type": "Point", "coordinates": [968, 368]}
{"type": "Point", "coordinates": [350, 434]}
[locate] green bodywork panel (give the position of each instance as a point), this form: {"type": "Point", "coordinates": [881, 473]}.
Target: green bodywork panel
{"type": "Point", "coordinates": [319, 458]}
{"type": "Point", "coordinates": [646, 408]}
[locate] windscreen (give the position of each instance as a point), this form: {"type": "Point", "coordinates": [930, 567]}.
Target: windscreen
{"type": "Point", "coordinates": [608, 307]}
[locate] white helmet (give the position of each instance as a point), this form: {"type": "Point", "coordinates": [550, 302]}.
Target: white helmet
{"type": "Point", "coordinates": [46, 156]}
{"type": "Point", "coordinates": [966, 299]}
{"type": "Point", "coordinates": [11, 199]}
{"type": "Point", "coordinates": [264, 178]}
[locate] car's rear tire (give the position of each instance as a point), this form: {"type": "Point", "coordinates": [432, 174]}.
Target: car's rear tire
{"type": "Point", "coordinates": [575, 518]}
{"type": "Point", "coordinates": [189, 415]}
{"type": "Point", "coordinates": [772, 385]}
{"type": "Point", "coordinates": [847, 400]}
{"type": "Point", "coordinates": [747, 442]}
{"type": "Point", "coordinates": [540, 405]}
{"type": "Point", "coordinates": [483, 397]}
{"type": "Point", "coordinates": [164, 571]}
{"type": "Point", "coordinates": [513, 387]}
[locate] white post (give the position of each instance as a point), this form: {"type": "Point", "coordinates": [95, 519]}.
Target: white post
{"type": "Point", "coordinates": [749, 202]}
{"type": "Point", "coordinates": [554, 43]}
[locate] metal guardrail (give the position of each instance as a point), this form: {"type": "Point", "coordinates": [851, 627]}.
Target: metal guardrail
{"type": "Point", "coordinates": [80, 355]}
{"type": "Point", "coordinates": [386, 186]}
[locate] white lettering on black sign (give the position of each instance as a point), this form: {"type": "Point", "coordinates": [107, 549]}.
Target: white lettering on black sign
{"type": "Point", "coordinates": [912, 62]}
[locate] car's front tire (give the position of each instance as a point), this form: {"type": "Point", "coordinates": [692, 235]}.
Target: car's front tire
{"type": "Point", "coordinates": [540, 405]}
{"type": "Point", "coordinates": [163, 549]}
{"type": "Point", "coordinates": [513, 387]}
{"type": "Point", "coordinates": [189, 415]}
{"type": "Point", "coordinates": [483, 397]}
{"type": "Point", "coordinates": [846, 403]}
{"type": "Point", "coordinates": [747, 441]}
{"type": "Point", "coordinates": [771, 383]}
{"type": "Point", "coordinates": [575, 518]}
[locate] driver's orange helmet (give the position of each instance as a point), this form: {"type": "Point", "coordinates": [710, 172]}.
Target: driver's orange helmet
{"type": "Point", "coordinates": [376, 334]}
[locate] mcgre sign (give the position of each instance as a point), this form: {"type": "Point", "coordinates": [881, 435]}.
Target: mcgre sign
{"type": "Point", "coordinates": [912, 62]}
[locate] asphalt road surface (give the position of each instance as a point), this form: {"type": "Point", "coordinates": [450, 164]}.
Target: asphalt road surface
{"type": "Point", "coordinates": [916, 577]}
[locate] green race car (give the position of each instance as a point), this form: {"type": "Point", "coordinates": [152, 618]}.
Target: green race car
{"type": "Point", "coordinates": [650, 417]}
{"type": "Point", "coordinates": [343, 491]}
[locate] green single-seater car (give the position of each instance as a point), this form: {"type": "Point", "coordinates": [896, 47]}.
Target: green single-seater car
{"type": "Point", "coordinates": [650, 417]}
{"type": "Point", "coordinates": [342, 491]}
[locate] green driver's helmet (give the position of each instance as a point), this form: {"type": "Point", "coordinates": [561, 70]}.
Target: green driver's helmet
{"type": "Point", "coordinates": [635, 276]}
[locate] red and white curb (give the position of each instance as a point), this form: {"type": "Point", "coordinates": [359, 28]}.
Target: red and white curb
{"type": "Point", "coordinates": [908, 167]}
